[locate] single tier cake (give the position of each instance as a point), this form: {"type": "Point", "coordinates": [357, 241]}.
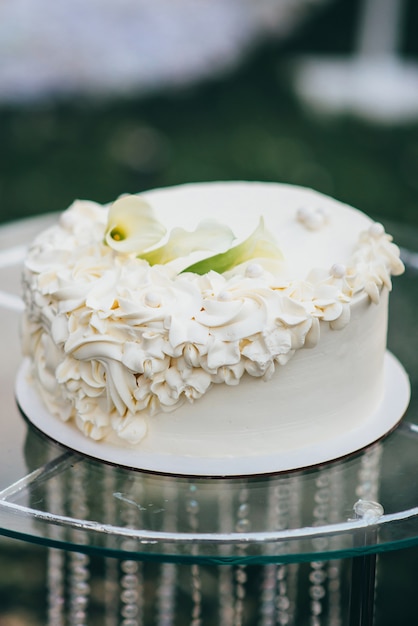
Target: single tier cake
{"type": "Point", "coordinates": [214, 320]}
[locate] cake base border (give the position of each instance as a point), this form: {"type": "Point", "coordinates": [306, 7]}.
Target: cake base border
{"type": "Point", "coordinates": [380, 423]}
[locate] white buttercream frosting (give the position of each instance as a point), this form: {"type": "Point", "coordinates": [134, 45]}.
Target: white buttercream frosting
{"type": "Point", "coordinates": [115, 341]}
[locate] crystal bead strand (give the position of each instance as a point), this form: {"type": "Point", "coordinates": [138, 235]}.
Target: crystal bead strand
{"type": "Point", "coordinates": [225, 572]}
{"type": "Point", "coordinates": [166, 596]}
{"type": "Point", "coordinates": [192, 508]}
{"type": "Point", "coordinates": [280, 581]}
{"type": "Point", "coordinates": [55, 587]}
{"type": "Point", "coordinates": [131, 581]}
{"type": "Point", "coordinates": [196, 596]}
{"type": "Point", "coordinates": [268, 588]}
{"type": "Point", "coordinates": [369, 484]}
{"type": "Point", "coordinates": [283, 604]}
{"type": "Point", "coordinates": [268, 596]}
{"type": "Point", "coordinates": [369, 473]}
{"type": "Point", "coordinates": [79, 572]}
{"type": "Point", "coordinates": [287, 575]}
{"type": "Point", "coordinates": [243, 525]}
{"type": "Point", "coordinates": [56, 558]}
{"type": "Point", "coordinates": [111, 595]}
{"type": "Point", "coordinates": [295, 512]}
{"type": "Point", "coordinates": [334, 567]}
{"type": "Point", "coordinates": [318, 574]}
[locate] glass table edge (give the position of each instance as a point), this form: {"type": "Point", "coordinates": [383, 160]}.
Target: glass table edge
{"type": "Point", "coordinates": [209, 559]}
{"type": "Point", "coordinates": [363, 535]}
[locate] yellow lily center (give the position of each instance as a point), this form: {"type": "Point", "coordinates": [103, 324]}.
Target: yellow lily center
{"type": "Point", "coordinates": [117, 235]}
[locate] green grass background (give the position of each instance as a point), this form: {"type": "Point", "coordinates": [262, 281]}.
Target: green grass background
{"type": "Point", "coordinates": [244, 125]}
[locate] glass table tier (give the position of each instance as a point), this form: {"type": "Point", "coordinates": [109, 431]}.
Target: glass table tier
{"type": "Point", "coordinates": [367, 502]}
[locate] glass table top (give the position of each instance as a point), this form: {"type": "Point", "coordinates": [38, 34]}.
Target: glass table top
{"type": "Point", "coordinates": [367, 502]}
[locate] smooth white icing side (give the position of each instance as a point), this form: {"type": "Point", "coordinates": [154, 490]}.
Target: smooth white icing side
{"type": "Point", "coordinates": [140, 352]}
{"type": "Point", "coordinates": [319, 395]}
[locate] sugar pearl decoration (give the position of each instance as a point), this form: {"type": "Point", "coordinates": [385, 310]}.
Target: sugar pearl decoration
{"type": "Point", "coordinates": [67, 220]}
{"type": "Point", "coordinates": [338, 270]}
{"type": "Point", "coordinates": [253, 270]}
{"type": "Point", "coordinates": [376, 230]}
{"type": "Point", "coordinates": [312, 218]}
{"type": "Point", "coordinates": [152, 299]}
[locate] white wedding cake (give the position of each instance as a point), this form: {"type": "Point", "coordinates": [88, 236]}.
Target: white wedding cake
{"type": "Point", "coordinates": [212, 322]}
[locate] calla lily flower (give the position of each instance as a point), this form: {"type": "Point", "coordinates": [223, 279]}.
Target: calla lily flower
{"type": "Point", "coordinates": [259, 245]}
{"type": "Point", "coordinates": [132, 226]}
{"type": "Point", "coordinates": [209, 235]}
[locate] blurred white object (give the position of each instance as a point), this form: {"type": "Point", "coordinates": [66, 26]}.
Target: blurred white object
{"type": "Point", "coordinates": [375, 83]}
{"type": "Point", "coordinates": [50, 47]}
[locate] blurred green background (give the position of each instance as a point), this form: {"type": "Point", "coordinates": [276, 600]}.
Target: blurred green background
{"type": "Point", "coordinates": [245, 124]}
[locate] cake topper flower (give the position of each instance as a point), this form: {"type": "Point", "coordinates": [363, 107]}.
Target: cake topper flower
{"type": "Point", "coordinates": [132, 227]}
{"type": "Point", "coordinates": [208, 235]}
{"type": "Point", "coordinates": [259, 245]}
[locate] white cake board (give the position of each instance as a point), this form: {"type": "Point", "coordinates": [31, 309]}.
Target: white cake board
{"type": "Point", "coordinates": [382, 421]}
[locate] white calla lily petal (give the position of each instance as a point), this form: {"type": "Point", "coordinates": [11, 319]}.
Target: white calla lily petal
{"type": "Point", "coordinates": [259, 245]}
{"type": "Point", "coordinates": [208, 235]}
{"type": "Point", "coordinates": [132, 225]}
